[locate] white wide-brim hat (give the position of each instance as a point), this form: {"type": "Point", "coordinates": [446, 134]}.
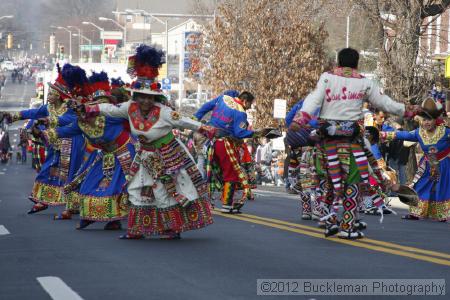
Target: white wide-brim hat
{"type": "Point", "coordinates": [144, 91]}
{"type": "Point", "coordinates": [145, 86]}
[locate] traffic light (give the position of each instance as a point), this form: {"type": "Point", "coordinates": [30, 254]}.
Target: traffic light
{"type": "Point", "coordinates": [9, 43]}
{"type": "Point", "coordinates": [105, 51]}
{"type": "Point", "coordinates": [61, 49]}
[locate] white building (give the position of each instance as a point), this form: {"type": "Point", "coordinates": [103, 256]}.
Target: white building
{"type": "Point", "coordinates": [143, 28]}
{"type": "Point", "coordinates": [176, 54]}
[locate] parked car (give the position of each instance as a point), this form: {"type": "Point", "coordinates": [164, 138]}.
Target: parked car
{"type": "Point", "coordinates": [195, 100]}
{"type": "Point", "coordinates": [37, 67]}
{"type": "Point", "coordinates": [191, 103]}
{"type": "Point", "coordinates": [8, 65]}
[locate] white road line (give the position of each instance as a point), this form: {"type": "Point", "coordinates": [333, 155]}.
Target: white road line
{"type": "Point", "coordinates": [57, 289]}
{"type": "Point", "coordinates": [265, 193]}
{"type": "Point", "coordinates": [3, 230]}
{"type": "Point", "coordinates": [23, 93]}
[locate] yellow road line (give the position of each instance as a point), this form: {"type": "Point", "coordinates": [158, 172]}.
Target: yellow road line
{"type": "Point", "coordinates": [365, 240]}
{"type": "Point", "coordinates": [340, 241]}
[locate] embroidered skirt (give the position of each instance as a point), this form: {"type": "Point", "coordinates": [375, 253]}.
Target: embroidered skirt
{"type": "Point", "coordinates": [434, 196]}
{"type": "Point", "coordinates": [167, 192]}
{"type": "Point", "coordinates": [60, 167]}
{"type": "Point", "coordinates": [100, 185]}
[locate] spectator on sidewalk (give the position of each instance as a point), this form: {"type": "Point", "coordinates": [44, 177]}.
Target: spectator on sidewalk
{"type": "Point", "coordinates": [264, 160]}
{"type": "Point", "coordinates": [279, 169]}
{"type": "Point", "coordinates": [398, 156]}
{"type": "Point", "coordinates": [5, 146]}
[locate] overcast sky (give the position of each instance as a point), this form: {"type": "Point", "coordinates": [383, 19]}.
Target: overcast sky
{"type": "Point", "coordinates": [157, 6]}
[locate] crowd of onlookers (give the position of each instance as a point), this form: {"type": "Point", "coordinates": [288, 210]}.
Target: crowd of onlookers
{"type": "Point", "coordinates": [8, 149]}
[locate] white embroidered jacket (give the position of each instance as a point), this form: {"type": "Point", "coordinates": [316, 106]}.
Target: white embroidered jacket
{"type": "Point", "coordinates": [339, 96]}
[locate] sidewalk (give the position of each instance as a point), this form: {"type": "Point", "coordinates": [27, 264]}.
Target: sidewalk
{"type": "Point", "coordinates": [272, 188]}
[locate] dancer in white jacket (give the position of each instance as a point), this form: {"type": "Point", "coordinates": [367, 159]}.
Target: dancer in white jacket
{"type": "Point", "coordinates": [339, 95]}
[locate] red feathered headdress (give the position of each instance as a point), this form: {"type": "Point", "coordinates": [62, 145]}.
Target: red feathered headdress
{"type": "Point", "coordinates": [145, 65]}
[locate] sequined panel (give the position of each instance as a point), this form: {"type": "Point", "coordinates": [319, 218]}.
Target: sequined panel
{"type": "Point", "coordinates": [47, 194]}
{"type": "Point", "coordinates": [107, 208]}
{"type": "Point", "coordinates": [155, 221]}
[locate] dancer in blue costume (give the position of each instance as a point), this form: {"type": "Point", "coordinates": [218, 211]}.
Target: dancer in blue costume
{"type": "Point", "coordinates": [311, 186]}
{"type": "Point", "coordinates": [433, 174]}
{"type": "Point", "coordinates": [225, 170]}
{"type": "Point", "coordinates": [100, 182]}
{"type": "Point", "coordinates": [64, 156]}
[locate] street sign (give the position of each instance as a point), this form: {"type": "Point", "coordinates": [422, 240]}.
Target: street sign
{"type": "Point", "coordinates": [110, 50]}
{"type": "Point", "coordinates": [278, 143]}
{"type": "Point", "coordinates": [279, 108]}
{"type": "Point", "coordinates": [166, 84]}
{"type": "Point", "coordinates": [94, 47]}
{"type": "Point", "coordinates": [447, 67]}
{"type": "Point", "coordinates": [192, 45]}
{"type": "Point", "coordinates": [111, 35]}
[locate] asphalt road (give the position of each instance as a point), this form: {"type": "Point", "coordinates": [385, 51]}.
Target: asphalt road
{"type": "Point", "coordinates": [222, 261]}
{"type": "Point", "coordinates": [15, 96]}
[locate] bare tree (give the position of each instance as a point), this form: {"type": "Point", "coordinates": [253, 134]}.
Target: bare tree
{"type": "Point", "coordinates": [400, 26]}
{"type": "Point", "coordinates": [407, 75]}
{"type": "Point", "coordinates": [268, 47]}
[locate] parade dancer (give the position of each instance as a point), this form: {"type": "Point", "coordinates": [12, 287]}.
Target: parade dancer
{"type": "Point", "coordinates": [37, 147]}
{"type": "Point", "coordinates": [166, 191]}
{"type": "Point", "coordinates": [302, 172]}
{"type": "Point", "coordinates": [64, 156]}
{"type": "Point", "coordinates": [374, 192]}
{"type": "Point", "coordinates": [339, 95]}
{"type": "Point", "coordinates": [309, 184]}
{"type": "Point", "coordinates": [119, 92]}
{"type": "Point", "coordinates": [431, 181]}
{"type": "Point", "coordinates": [100, 182]}
{"type": "Point", "coordinates": [224, 169]}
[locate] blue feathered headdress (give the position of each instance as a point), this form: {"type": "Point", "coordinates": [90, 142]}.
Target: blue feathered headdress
{"type": "Point", "coordinates": [150, 56]}
{"type": "Point", "coordinates": [98, 77]}
{"type": "Point", "coordinates": [76, 79]}
{"type": "Point", "coordinates": [146, 62]}
{"type": "Point", "coordinates": [117, 82]}
{"type": "Point", "coordinates": [99, 82]}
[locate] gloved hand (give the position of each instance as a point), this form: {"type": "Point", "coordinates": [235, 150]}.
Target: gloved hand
{"type": "Point", "coordinates": [328, 129]}
{"type": "Point", "coordinates": [301, 120]}
{"type": "Point", "coordinates": [208, 131]}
